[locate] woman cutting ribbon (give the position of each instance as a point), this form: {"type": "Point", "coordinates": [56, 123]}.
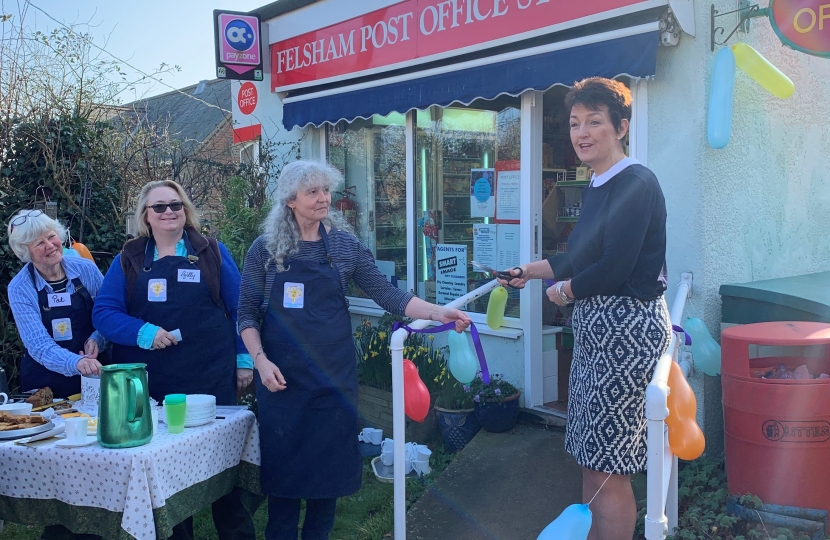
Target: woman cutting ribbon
{"type": "Point", "coordinates": [169, 301]}
{"type": "Point", "coordinates": [294, 318]}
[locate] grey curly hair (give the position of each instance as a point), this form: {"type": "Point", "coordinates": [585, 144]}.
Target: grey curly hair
{"type": "Point", "coordinates": [282, 234]}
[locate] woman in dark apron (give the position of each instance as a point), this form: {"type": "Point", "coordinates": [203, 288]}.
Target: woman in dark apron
{"type": "Point", "coordinates": [294, 318]}
{"type": "Point", "coordinates": [51, 299]}
{"type": "Point", "coordinates": [169, 301]}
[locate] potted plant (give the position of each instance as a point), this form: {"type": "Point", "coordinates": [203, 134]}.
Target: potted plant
{"type": "Point", "coordinates": [374, 371]}
{"type": "Point", "coordinates": [455, 413]}
{"type": "Point", "coordinates": [496, 404]}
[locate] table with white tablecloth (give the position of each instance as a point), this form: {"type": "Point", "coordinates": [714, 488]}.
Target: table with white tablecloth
{"type": "Point", "coordinates": [138, 492]}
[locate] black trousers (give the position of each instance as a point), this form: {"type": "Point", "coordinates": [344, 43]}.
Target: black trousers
{"type": "Point", "coordinates": [231, 518]}
{"type": "Point", "coordinates": [59, 532]}
{"type": "Point", "coordinates": [284, 517]}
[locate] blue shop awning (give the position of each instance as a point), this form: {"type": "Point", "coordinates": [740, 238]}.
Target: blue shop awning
{"type": "Point", "coordinates": [634, 55]}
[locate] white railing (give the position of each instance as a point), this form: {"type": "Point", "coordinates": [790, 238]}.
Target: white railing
{"type": "Point", "coordinates": [661, 502]}
{"type": "Point", "coordinates": [398, 423]}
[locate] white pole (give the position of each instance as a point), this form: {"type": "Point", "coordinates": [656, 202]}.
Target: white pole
{"type": "Point", "coordinates": [398, 420]}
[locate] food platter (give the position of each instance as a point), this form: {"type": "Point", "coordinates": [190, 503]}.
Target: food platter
{"type": "Point", "coordinates": [26, 432]}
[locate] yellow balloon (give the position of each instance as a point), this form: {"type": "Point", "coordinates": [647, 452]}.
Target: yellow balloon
{"type": "Point", "coordinates": [762, 71]}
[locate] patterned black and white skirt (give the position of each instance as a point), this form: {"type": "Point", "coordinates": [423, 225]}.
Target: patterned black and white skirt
{"type": "Point", "coordinates": [617, 342]}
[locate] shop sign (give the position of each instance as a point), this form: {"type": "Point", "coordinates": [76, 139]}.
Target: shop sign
{"type": "Point", "coordinates": [803, 25]}
{"type": "Point", "coordinates": [418, 31]}
{"type": "Point", "coordinates": [246, 124]}
{"type": "Point", "coordinates": [238, 46]}
{"type": "Point", "coordinates": [451, 276]}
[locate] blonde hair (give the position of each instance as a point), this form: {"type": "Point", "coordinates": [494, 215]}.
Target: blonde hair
{"type": "Point", "coordinates": [141, 225]}
{"type": "Point", "coordinates": [25, 233]}
{"type": "Point", "coordinates": [282, 234]}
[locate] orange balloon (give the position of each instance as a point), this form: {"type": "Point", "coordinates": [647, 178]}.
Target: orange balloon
{"type": "Point", "coordinates": [685, 437]}
{"type": "Point", "coordinates": [82, 251]}
{"type": "Point", "coordinates": [415, 393]}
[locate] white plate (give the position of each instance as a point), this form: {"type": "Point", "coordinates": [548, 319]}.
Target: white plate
{"type": "Point", "coordinates": [199, 423]}
{"type": "Point", "coordinates": [90, 439]}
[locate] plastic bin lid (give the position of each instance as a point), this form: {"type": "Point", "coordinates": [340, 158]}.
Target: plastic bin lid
{"type": "Point", "coordinates": [809, 293]}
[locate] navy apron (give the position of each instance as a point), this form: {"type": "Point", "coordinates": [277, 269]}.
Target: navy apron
{"type": "Point", "coordinates": [170, 293]}
{"type": "Point", "coordinates": [308, 432]}
{"type": "Point", "coordinates": [33, 375]}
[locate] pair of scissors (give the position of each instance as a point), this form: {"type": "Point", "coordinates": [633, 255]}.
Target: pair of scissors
{"type": "Point", "coordinates": [507, 276]}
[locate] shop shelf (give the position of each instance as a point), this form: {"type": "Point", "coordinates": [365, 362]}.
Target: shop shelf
{"type": "Point", "coordinates": [572, 183]}
{"type": "Point", "coordinates": [567, 219]}
{"type": "Point", "coordinates": [390, 247]}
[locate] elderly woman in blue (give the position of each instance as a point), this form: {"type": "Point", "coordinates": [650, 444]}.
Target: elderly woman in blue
{"type": "Point", "coordinates": [51, 299]}
{"type": "Point", "coordinates": [169, 301]}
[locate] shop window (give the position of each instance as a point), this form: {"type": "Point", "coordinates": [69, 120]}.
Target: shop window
{"type": "Point", "coordinates": [371, 155]}
{"type": "Point", "coordinates": [465, 158]}
{"type": "Point", "coordinates": [564, 177]}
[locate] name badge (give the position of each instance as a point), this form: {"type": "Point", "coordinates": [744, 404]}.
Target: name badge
{"type": "Point", "coordinates": [189, 276]}
{"type": "Point", "coordinates": [293, 295]}
{"type": "Point", "coordinates": [61, 329]}
{"type": "Point", "coordinates": [60, 300]}
{"type": "Point", "coordinates": [157, 290]}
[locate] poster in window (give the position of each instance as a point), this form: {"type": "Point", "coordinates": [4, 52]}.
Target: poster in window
{"type": "Point", "coordinates": [484, 244]}
{"type": "Point", "coordinates": [508, 192]}
{"type": "Point", "coordinates": [482, 192]}
{"type": "Point", "coordinates": [507, 242]}
{"type": "Point", "coordinates": [451, 279]}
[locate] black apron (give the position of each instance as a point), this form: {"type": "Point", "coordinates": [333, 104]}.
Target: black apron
{"type": "Point", "coordinates": [204, 362]}
{"type": "Point", "coordinates": [73, 321]}
{"type": "Point", "coordinates": [308, 432]}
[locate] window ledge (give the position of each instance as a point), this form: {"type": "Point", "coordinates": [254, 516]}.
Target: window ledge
{"type": "Point", "coordinates": [547, 330]}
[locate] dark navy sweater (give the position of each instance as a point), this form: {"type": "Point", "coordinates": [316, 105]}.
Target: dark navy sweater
{"type": "Point", "coordinates": [618, 246]}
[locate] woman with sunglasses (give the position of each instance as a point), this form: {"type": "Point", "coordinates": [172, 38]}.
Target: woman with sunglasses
{"type": "Point", "coordinates": [51, 300]}
{"type": "Point", "coordinates": [169, 301]}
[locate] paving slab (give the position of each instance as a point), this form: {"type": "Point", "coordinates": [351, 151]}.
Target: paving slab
{"type": "Point", "coordinates": [502, 486]}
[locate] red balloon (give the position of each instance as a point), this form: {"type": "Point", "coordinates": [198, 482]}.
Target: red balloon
{"type": "Point", "coordinates": [415, 393]}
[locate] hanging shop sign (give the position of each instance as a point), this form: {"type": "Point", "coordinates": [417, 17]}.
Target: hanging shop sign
{"type": "Point", "coordinates": [803, 25]}
{"type": "Point", "coordinates": [418, 31]}
{"type": "Point", "coordinates": [246, 123]}
{"type": "Point", "coordinates": [238, 46]}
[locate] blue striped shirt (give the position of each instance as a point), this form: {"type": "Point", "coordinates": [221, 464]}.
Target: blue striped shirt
{"type": "Point", "coordinates": [351, 258]}
{"type": "Point", "coordinates": [26, 310]}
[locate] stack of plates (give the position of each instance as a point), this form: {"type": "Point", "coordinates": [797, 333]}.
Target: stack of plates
{"type": "Point", "coordinates": [201, 409]}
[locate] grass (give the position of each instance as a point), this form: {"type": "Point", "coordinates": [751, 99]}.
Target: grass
{"type": "Point", "coordinates": [366, 515]}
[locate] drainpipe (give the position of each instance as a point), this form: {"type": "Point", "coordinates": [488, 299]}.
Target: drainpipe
{"type": "Point", "coordinates": [398, 420]}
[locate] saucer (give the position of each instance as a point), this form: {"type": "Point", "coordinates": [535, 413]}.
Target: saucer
{"type": "Point", "coordinates": [90, 439]}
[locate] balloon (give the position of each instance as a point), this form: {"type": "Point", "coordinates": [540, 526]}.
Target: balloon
{"type": "Point", "coordinates": [719, 127]}
{"type": "Point", "coordinates": [463, 362]}
{"type": "Point", "coordinates": [82, 250]}
{"type": "Point", "coordinates": [495, 307]}
{"type": "Point", "coordinates": [685, 437]}
{"type": "Point", "coordinates": [415, 393]}
{"type": "Point", "coordinates": [69, 252]}
{"type": "Point", "coordinates": [705, 350]}
{"type": "Point", "coordinates": [574, 523]}
{"type": "Point", "coordinates": [759, 68]}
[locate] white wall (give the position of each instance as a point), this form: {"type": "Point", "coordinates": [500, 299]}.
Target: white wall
{"type": "Point", "coordinates": [757, 209]}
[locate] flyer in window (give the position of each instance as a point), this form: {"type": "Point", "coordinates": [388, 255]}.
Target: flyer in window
{"type": "Point", "coordinates": [508, 246]}
{"type": "Point", "coordinates": [508, 192]}
{"type": "Point", "coordinates": [451, 279]}
{"type": "Point", "coordinates": [482, 192]}
{"type": "Point", "coordinates": [484, 244]}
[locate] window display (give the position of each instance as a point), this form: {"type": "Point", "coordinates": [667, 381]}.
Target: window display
{"type": "Point", "coordinates": [458, 154]}
{"type": "Point", "coordinates": [371, 155]}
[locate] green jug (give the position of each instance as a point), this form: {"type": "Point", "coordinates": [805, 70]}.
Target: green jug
{"type": "Point", "coordinates": [124, 415]}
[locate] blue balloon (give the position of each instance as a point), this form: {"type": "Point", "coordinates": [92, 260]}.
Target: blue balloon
{"type": "Point", "coordinates": [69, 252]}
{"type": "Point", "coordinates": [463, 362]}
{"type": "Point", "coordinates": [574, 523]}
{"type": "Point", "coordinates": [720, 98]}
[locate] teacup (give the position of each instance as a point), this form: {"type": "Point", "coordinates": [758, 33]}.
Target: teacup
{"type": "Point", "coordinates": [5, 398]}
{"type": "Point", "coordinates": [17, 408]}
{"type": "Point", "coordinates": [375, 436]}
{"type": "Point", "coordinates": [387, 457]}
{"type": "Point", "coordinates": [422, 466]}
{"type": "Point", "coordinates": [423, 452]}
{"type": "Point", "coordinates": [387, 444]}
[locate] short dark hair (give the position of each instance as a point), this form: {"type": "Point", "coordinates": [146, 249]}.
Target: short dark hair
{"type": "Point", "coordinates": [595, 92]}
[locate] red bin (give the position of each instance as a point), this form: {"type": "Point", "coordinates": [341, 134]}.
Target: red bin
{"type": "Point", "coordinates": [777, 432]}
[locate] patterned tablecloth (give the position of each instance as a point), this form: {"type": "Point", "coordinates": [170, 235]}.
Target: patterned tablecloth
{"type": "Point", "coordinates": [134, 484]}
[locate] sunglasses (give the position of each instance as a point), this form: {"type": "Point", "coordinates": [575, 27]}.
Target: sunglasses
{"type": "Point", "coordinates": [20, 220]}
{"type": "Point", "coordinates": [162, 207]}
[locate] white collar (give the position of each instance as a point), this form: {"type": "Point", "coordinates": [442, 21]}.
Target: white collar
{"type": "Point", "coordinates": [615, 169]}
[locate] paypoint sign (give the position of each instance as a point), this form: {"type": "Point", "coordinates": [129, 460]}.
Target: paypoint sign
{"type": "Point", "coordinates": [238, 46]}
{"type": "Point", "coordinates": [803, 25]}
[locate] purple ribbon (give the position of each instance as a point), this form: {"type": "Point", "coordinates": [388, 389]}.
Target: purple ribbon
{"type": "Point", "coordinates": [482, 361]}
{"type": "Point", "coordinates": [680, 330]}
